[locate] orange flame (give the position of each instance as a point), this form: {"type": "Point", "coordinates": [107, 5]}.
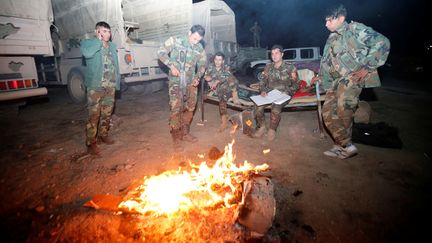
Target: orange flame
{"type": "Point", "coordinates": [202, 187]}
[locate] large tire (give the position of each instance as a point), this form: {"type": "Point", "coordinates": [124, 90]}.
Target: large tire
{"type": "Point", "coordinates": [258, 71]}
{"type": "Point", "coordinates": [76, 88]}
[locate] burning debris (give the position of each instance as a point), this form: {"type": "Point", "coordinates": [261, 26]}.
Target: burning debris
{"type": "Point", "coordinates": [203, 203]}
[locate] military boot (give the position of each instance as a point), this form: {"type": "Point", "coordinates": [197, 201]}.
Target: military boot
{"type": "Point", "coordinates": [106, 140]}
{"type": "Point", "coordinates": [93, 149]}
{"type": "Point", "coordinates": [187, 136]}
{"type": "Point", "coordinates": [271, 135]}
{"type": "Point", "coordinates": [176, 135]}
{"type": "Point", "coordinates": [224, 123]}
{"type": "Point", "coordinates": [260, 132]}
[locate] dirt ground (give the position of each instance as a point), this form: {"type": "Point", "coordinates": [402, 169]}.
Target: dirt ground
{"type": "Point", "coordinates": [380, 195]}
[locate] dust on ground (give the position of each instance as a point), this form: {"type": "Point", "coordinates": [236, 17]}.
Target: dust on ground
{"type": "Point", "coordinates": [380, 195]}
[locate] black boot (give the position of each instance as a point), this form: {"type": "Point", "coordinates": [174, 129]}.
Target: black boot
{"type": "Point", "coordinates": [93, 149]}
{"type": "Point", "coordinates": [187, 136]}
{"type": "Point", "coordinates": [106, 140]}
{"type": "Point", "coordinates": [176, 135]}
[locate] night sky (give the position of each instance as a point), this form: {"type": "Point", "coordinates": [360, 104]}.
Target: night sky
{"type": "Point", "coordinates": [297, 23]}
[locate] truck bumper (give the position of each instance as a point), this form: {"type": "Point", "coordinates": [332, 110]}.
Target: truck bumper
{"type": "Point", "coordinates": [19, 94]}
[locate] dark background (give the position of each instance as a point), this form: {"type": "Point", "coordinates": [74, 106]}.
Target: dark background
{"type": "Point", "coordinates": [300, 23]}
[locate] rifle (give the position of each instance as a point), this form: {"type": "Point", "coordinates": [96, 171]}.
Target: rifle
{"type": "Point", "coordinates": [183, 85]}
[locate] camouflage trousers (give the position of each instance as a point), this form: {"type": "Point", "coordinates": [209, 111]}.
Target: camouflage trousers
{"type": "Point", "coordinates": [224, 92]}
{"type": "Point", "coordinates": [275, 116]}
{"type": "Point", "coordinates": [181, 108]}
{"type": "Point", "coordinates": [339, 108]}
{"type": "Point", "coordinates": [100, 105]}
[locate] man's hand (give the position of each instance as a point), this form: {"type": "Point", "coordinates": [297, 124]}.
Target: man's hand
{"type": "Point", "coordinates": [207, 78]}
{"type": "Point", "coordinates": [195, 82]}
{"type": "Point", "coordinates": [314, 80]}
{"type": "Point", "coordinates": [214, 84]}
{"type": "Point", "coordinates": [174, 71]}
{"type": "Point", "coordinates": [359, 75]}
{"type": "Point", "coordinates": [100, 36]}
{"type": "Point", "coordinates": [263, 93]}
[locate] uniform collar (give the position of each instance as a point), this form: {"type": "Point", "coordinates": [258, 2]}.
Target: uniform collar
{"type": "Point", "coordinates": [186, 42]}
{"type": "Point", "coordinates": [281, 66]}
{"type": "Point", "coordinates": [342, 29]}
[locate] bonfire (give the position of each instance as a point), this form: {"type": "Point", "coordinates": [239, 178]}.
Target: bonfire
{"type": "Point", "coordinates": [200, 204]}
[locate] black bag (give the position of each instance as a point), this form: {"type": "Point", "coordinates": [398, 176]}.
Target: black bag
{"type": "Point", "coordinates": [379, 134]}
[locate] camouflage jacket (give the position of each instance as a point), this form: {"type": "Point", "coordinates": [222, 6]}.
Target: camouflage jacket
{"type": "Point", "coordinates": [179, 52]}
{"type": "Point", "coordinates": [351, 47]}
{"type": "Point", "coordinates": [224, 75]}
{"type": "Point", "coordinates": [284, 78]}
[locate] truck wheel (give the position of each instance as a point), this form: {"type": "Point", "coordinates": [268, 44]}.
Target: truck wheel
{"type": "Point", "coordinates": [76, 87]}
{"type": "Point", "coordinates": [258, 72]}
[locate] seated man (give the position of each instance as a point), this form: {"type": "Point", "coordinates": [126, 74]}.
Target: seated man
{"type": "Point", "coordinates": [221, 79]}
{"type": "Point", "coordinates": [277, 75]}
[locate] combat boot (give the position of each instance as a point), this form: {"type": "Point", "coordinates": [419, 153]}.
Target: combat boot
{"type": "Point", "coordinates": [271, 135]}
{"type": "Point", "coordinates": [187, 136]}
{"type": "Point", "coordinates": [176, 137]}
{"type": "Point", "coordinates": [260, 132]}
{"type": "Point", "coordinates": [106, 140]}
{"type": "Point", "coordinates": [93, 149]}
{"type": "Point", "coordinates": [224, 123]}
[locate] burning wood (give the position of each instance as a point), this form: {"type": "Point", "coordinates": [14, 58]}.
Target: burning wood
{"type": "Point", "coordinates": [193, 204]}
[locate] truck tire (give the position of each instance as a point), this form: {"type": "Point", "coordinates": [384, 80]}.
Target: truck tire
{"type": "Point", "coordinates": [258, 72]}
{"type": "Point", "coordinates": [76, 88]}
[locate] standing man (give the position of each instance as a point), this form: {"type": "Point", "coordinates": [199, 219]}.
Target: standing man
{"type": "Point", "coordinates": [256, 31]}
{"type": "Point", "coordinates": [223, 81]}
{"type": "Point", "coordinates": [352, 54]}
{"type": "Point", "coordinates": [276, 75]}
{"type": "Point", "coordinates": [183, 55]}
{"type": "Point", "coordinates": [102, 79]}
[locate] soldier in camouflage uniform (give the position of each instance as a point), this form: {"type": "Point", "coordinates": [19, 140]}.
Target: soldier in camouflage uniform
{"type": "Point", "coordinates": [102, 79]}
{"type": "Point", "coordinates": [223, 81]}
{"type": "Point", "coordinates": [276, 75]}
{"type": "Point", "coordinates": [352, 54]}
{"type": "Point", "coordinates": [183, 55]}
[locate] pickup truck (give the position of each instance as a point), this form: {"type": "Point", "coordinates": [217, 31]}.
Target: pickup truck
{"type": "Point", "coordinates": [302, 58]}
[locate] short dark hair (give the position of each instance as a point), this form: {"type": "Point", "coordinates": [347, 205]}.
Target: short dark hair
{"type": "Point", "coordinates": [219, 54]}
{"type": "Point", "coordinates": [198, 29]}
{"type": "Point", "coordinates": [277, 46]}
{"type": "Point", "coordinates": [102, 24]}
{"type": "Point", "coordinates": [336, 11]}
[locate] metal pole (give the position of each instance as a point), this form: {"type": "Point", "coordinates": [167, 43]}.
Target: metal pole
{"type": "Point", "coordinates": [202, 100]}
{"type": "Point", "coordinates": [320, 119]}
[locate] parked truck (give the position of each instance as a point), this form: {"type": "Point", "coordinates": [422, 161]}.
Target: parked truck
{"type": "Point", "coordinates": [301, 57]}
{"type": "Point", "coordinates": [245, 56]}
{"type": "Point", "coordinates": [138, 28]}
{"type": "Point", "coordinates": [24, 34]}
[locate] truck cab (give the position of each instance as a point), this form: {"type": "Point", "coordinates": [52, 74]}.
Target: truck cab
{"type": "Point", "coordinates": [301, 57]}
